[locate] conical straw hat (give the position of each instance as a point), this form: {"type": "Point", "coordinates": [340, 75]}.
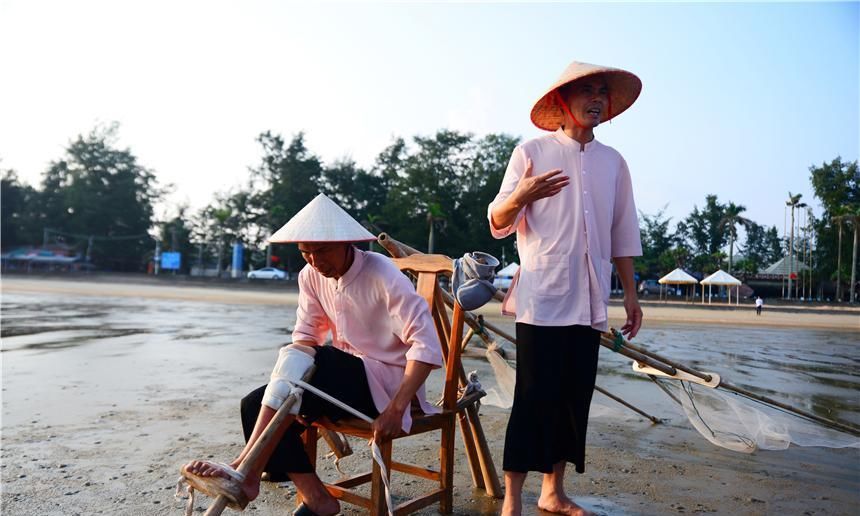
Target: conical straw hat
{"type": "Point", "coordinates": [624, 88]}
{"type": "Point", "coordinates": [321, 221]}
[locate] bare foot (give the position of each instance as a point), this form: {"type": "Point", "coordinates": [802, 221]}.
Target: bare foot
{"type": "Point", "coordinates": [203, 468]}
{"type": "Point", "coordinates": [561, 504]}
{"type": "Point", "coordinates": [511, 507]}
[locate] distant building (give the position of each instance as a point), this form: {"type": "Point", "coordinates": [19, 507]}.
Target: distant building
{"type": "Point", "coordinates": [56, 257]}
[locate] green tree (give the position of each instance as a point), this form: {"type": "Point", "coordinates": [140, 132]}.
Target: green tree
{"type": "Point", "coordinates": [728, 224]}
{"type": "Point", "coordinates": [761, 248]}
{"type": "Point", "coordinates": [837, 185]}
{"type": "Point", "coordinates": [357, 191]}
{"type": "Point", "coordinates": [19, 211]}
{"type": "Point", "coordinates": [657, 245]}
{"type": "Point", "coordinates": [288, 177]}
{"type": "Point", "coordinates": [702, 231]}
{"type": "Point", "coordinates": [99, 191]}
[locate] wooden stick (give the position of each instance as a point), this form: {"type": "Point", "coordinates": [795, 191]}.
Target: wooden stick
{"type": "Point", "coordinates": [603, 391]}
{"type": "Point", "coordinates": [488, 468]}
{"type": "Point", "coordinates": [467, 338]}
{"type": "Point", "coordinates": [220, 503]}
{"type": "Point", "coordinates": [268, 434]}
{"type": "Point", "coordinates": [217, 507]}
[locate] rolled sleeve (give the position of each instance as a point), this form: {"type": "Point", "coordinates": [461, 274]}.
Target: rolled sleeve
{"type": "Point", "coordinates": [625, 236]}
{"type": "Point", "coordinates": [416, 323]}
{"type": "Point", "coordinates": [513, 174]}
{"type": "Point", "coordinates": [312, 323]}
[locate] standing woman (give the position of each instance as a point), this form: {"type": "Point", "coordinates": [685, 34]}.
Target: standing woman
{"type": "Point", "coordinates": [569, 198]}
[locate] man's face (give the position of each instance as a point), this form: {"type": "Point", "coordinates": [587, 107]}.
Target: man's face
{"type": "Point", "coordinates": [588, 100]}
{"type": "Point", "coordinates": [329, 259]}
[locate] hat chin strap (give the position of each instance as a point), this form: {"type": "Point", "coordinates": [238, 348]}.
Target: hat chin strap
{"type": "Point", "coordinates": [566, 109]}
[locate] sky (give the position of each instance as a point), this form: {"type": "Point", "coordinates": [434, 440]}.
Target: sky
{"type": "Point", "coordinates": [738, 99]}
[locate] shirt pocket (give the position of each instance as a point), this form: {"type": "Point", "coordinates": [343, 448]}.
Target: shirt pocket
{"type": "Point", "coordinates": [552, 272]}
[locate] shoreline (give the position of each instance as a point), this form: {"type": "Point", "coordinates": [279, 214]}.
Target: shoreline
{"type": "Point", "coordinates": [829, 317]}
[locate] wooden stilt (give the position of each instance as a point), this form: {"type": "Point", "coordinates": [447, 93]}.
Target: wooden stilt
{"type": "Point", "coordinates": [255, 454]}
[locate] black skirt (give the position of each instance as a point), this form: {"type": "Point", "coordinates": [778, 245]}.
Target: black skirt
{"type": "Point", "coordinates": [556, 369]}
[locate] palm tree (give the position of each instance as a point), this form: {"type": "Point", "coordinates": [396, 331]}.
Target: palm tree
{"type": "Point", "coordinates": [854, 218]}
{"type": "Point", "coordinates": [435, 216]}
{"type": "Point", "coordinates": [729, 222]}
{"type": "Point", "coordinates": [839, 217]}
{"type": "Point", "coordinates": [794, 202]}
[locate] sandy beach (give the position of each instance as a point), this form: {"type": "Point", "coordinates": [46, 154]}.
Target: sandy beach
{"type": "Point", "coordinates": [98, 416]}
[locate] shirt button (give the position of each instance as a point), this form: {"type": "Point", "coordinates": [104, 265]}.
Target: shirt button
{"type": "Point", "coordinates": [585, 192]}
{"type": "Point", "coordinates": [586, 211]}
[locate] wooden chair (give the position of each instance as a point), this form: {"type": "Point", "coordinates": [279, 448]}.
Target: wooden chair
{"type": "Point", "coordinates": [427, 268]}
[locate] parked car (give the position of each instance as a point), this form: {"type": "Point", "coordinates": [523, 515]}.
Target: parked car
{"type": "Point", "coordinates": [648, 287]}
{"type": "Point", "coordinates": [268, 273]}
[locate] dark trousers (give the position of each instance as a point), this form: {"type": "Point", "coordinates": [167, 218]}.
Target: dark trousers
{"type": "Point", "coordinates": [556, 370]}
{"type": "Point", "coordinates": [337, 373]}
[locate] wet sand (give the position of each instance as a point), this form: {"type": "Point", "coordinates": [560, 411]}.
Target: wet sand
{"type": "Point", "coordinates": [108, 388]}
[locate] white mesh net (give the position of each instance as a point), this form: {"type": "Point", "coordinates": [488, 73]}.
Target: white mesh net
{"type": "Point", "coordinates": [742, 425]}
{"type": "Point", "coordinates": [723, 418]}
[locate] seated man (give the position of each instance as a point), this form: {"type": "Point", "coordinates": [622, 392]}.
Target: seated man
{"type": "Point", "coordinates": [384, 346]}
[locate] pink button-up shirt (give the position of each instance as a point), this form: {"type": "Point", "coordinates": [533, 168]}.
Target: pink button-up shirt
{"type": "Point", "coordinates": [374, 313]}
{"type": "Point", "coordinates": [565, 242]}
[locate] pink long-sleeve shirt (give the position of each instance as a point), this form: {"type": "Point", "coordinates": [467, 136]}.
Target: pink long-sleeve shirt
{"type": "Point", "coordinates": [565, 242]}
{"type": "Point", "coordinates": [374, 313]}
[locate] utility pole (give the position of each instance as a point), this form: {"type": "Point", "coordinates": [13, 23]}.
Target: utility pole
{"type": "Point", "coordinates": [157, 257]}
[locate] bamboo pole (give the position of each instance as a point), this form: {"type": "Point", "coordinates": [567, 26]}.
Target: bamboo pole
{"type": "Point", "coordinates": [676, 365]}
{"type": "Point", "coordinates": [845, 427]}
{"type": "Point", "coordinates": [606, 393]}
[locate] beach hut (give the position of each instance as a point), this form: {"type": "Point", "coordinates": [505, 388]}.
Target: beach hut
{"type": "Point", "coordinates": [677, 277]}
{"type": "Point", "coordinates": [721, 278]}
{"type": "Point", "coordinates": [505, 276]}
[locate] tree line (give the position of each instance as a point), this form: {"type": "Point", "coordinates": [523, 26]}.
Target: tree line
{"type": "Point", "coordinates": [431, 192]}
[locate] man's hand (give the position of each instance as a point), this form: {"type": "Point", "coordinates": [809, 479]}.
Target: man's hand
{"type": "Point", "coordinates": [387, 425]}
{"type": "Point", "coordinates": [532, 188]}
{"type": "Point", "coordinates": [529, 189]}
{"type": "Point", "coordinates": [634, 315]}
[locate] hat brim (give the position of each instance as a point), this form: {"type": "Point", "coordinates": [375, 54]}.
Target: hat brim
{"type": "Point", "coordinates": [624, 89]}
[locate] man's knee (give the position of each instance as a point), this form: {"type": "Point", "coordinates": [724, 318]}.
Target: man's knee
{"type": "Point", "coordinates": [293, 362]}
{"type": "Point", "coordinates": [310, 350]}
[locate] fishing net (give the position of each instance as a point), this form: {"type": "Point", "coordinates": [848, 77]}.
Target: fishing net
{"type": "Point", "coordinates": [744, 425]}
{"type": "Point", "coordinates": [502, 395]}
{"type": "Point", "coordinates": [724, 418]}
